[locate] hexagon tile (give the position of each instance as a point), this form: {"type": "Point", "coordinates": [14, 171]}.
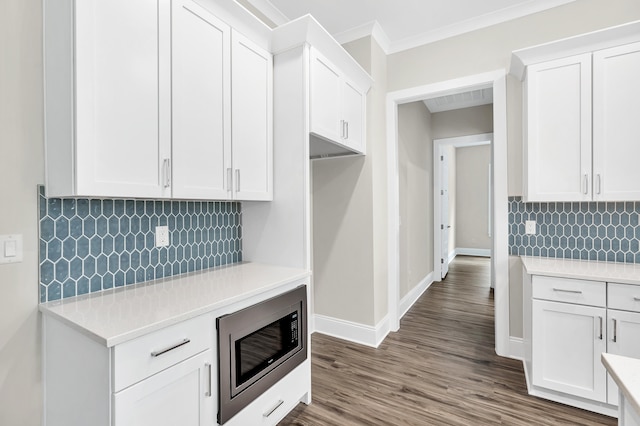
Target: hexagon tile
{"type": "Point", "coordinates": [587, 230]}
{"type": "Point", "coordinates": [89, 245]}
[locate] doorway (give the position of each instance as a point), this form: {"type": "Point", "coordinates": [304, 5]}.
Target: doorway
{"type": "Point", "coordinates": [442, 226]}
{"type": "Point", "coordinates": [499, 194]}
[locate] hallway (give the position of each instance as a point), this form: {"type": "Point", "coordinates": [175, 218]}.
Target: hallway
{"type": "Point", "coordinates": [439, 369]}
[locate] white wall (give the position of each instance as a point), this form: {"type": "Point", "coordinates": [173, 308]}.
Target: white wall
{"type": "Point", "coordinates": [21, 169]}
{"type": "Point", "coordinates": [472, 197]}
{"type": "Point", "coordinates": [415, 170]}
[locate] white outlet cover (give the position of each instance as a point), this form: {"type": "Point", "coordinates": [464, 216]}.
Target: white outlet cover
{"type": "Point", "coordinates": [530, 227]}
{"type": "Point", "coordinates": [162, 236]}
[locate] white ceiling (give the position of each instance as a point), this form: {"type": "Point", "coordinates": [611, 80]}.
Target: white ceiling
{"type": "Point", "coordinates": [402, 24]}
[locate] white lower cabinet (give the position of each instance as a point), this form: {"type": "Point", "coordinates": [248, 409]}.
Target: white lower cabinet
{"type": "Point", "coordinates": [572, 323]}
{"type": "Point", "coordinates": [567, 342]}
{"type": "Point", "coordinates": [180, 395]}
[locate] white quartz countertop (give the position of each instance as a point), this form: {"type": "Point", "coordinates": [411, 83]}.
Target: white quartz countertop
{"type": "Point", "coordinates": [625, 372]}
{"type": "Point", "coordinates": [114, 316]}
{"type": "Point", "coordinates": [624, 273]}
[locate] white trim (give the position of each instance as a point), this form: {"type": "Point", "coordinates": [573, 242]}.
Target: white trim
{"type": "Point", "coordinates": [414, 294]}
{"type": "Point", "coordinates": [476, 23]}
{"type": "Point", "coordinates": [452, 255]}
{"type": "Point", "coordinates": [500, 257]}
{"type": "Point", "coordinates": [270, 11]}
{"type": "Point", "coordinates": [462, 251]}
{"type": "Point", "coordinates": [516, 348]}
{"type": "Point", "coordinates": [351, 331]}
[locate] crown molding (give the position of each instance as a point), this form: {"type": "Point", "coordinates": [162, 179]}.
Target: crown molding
{"type": "Point", "coordinates": [270, 11]}
{"type": "Point", "coordinates": [372, 29]}
{"type": "Point", "coordinates": [473, 24]}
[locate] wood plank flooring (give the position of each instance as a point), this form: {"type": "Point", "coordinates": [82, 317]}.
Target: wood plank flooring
{"type": "Point", "coordinates": [439, 369]}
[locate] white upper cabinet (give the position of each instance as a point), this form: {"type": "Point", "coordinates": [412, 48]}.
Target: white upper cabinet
{"type": "Point", "coordinates": [558, 130]}
{"type": "Point", "coordinates": [616, 102]}
{"type": "Point", "coordinates": [251, 120]}
{"type": "Point", "coordinates": [337, 107]}
{"type": "Point", "coordinates": [159, 105]}
{"type": "Point", "coordinates": [201, 67]}
{"type": "Point", "coordinates": [107, 100]}
{"type": "Point", "coordinates": [580, 127]}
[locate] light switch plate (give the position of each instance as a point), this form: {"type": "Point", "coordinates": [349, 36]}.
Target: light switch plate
{"type": "Point", "coordinates": [11, 248]}
{"type": "Point", "coordinates": [530, 227]}
{"type": "Point", "coordinates": [162, 236]}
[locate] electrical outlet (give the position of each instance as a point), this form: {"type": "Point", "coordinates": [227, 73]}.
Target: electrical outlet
{"type": "Point", "coordinates": [530, 227]}
{"type": "Point", "coordinates": [162, 236]}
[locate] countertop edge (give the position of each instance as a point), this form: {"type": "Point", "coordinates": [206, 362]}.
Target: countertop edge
{"type": "Point", "coordinates": [110, 341]}
{"type": "Point", "coordinates": [611, 363]}
{"type": "Point", "coordinates": [532, 267]}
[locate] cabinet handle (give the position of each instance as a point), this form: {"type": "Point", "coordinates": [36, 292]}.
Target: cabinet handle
{"type": "Point", "coordinates": [600, 337]}
{"type": "Point", "coordinates": [237, 180]}
{"type": "Point", "coordinates": [347, 133]}
{"type": "Point", "coordinates": [275, 407]}
{"type": "Point", "coordinates": [170, 348]}
{"type": "Point", "coordinates": [342, 129]}
{"type": "Point", "coordinates": [561, 290]}
{"type": "Point", "coordinates": [637, 299]}
{"type": "Point", "coordinates": [166, 169]}
{"type": "Point", "coordinates": [208, 367]}
{"type": "Point", "coordinates": [615, 330]}
{"type": "Point", "coordinates": [586, 184]}
{"type": "Point", "coordinates": [598, 183]}
{"type": "Point", "coordinates": [229, 176]}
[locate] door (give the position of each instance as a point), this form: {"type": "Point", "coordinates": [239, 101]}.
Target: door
{"type": "Point", "coordinates": [616, 102]}
{"type": "Point", "coordinates": [445, 227]}
{"type": "Point", "coordinates": [201, 88]}
{"type": "Point", "coordinates": [567, 342]}
{"type": "Point", "coordinates": [123, 109]}
{"type": "Point", "coordinates": [325, 110]}
{"type": "Point", "coordinates": [180, 395]}
{"type": "Point", "coordinates": [558, 130]}
{"type": "Point", "coordinates": [352, 117]}
{"type": "Point", "coordinates": [251, 115]}
{"type": "Point", "coordinates": [623, 333]}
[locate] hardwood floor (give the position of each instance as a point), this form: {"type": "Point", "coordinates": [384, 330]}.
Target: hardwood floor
{"type": "Point", "coordinates": [439, 369]}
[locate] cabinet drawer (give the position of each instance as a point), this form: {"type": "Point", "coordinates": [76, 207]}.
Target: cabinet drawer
{"type": "Point", "coordinates": [271, 407]}
{"type": "Point", "coordinates": [625, 297]}
{"type": "Point", "coordinates": [149, 354]}
{"type": "Point", "coordinates": [592, 293]}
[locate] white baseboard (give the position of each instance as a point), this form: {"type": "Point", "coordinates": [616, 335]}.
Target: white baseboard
{"type": "Point", "coordinates": [452, 255]}
{"type": "Point", "coordinates": [354, 332]}
{"type": "Point", "coordinates": [473, 252]}
{"type": "Point", "coordinates": [407, 301]}
{"type": "Point", "coordinates": [516, 348]}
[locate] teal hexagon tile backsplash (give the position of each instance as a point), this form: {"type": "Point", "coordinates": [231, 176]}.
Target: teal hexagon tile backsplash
{"type": "Point", "coordinates": [97, 244]}
{"type": "Point", "coordinates": [576, 230]}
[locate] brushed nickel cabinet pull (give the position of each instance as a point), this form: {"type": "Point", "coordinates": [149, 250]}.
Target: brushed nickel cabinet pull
{"type": "Point", "coordinates": [598, 183]}
{"type": "Point", "coordinates": [229, 177]}
{"type": "Point", "coordinates": [347, 130]}
{"type": "Point", "coordinates": [586, 184]}
{"type": "Point", "coordinates": [615, 330]}
{"type": "Point", "coordinates": [166, 169]}
{"type": "Point", "coordinates": [170, 348]}
{"type": "Point", "coordinates": [237, 180]}
{"type": "Point", "coordinates": [208, 367]}
{"type": "Point", "coordinates": [600, 328]}
{"type": "Point", "coordinates": [561, 290]}
{"type": "Point", "coordinates": [275, 407]}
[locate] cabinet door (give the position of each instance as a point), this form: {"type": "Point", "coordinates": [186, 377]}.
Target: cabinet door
{"type": "Point", "coordinates": [252, 109]}
{"type": "Point", "coordinates": [616, 102]}
{"type": "Point", "coordinates": [201, 103]}
{"type": "Point", "coordinates": [122, 112]}
{"type": "Point", "coordinates": [624, 339]}
{"type": "Point", "coordinates": [326, 85]}
{"type": "Point", "coordinates": [567, 342]}
{"type": "Point", "coordinates": [353, 110]}
{"type": "Point", "coordinates": [557, 164]}
{"type": "Point", "coordinates": [180, 395]}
